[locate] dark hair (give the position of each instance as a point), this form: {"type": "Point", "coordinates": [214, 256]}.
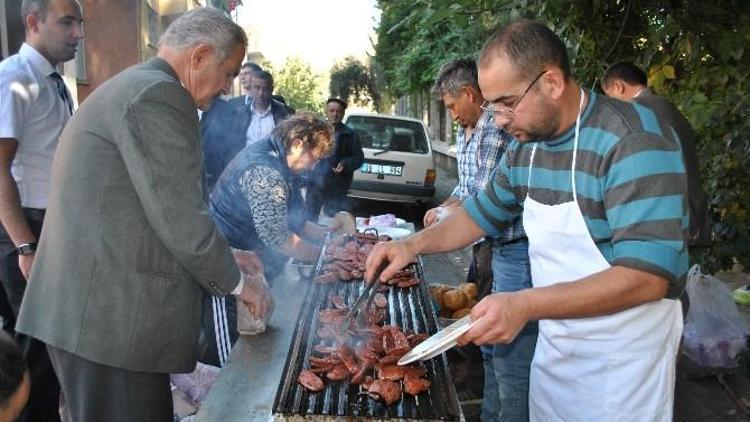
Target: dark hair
{"type": "Point", "coordinates": [12, 368]}
{"type": "Point", "coordinates": [37, 8]}
{"type": "Point", "coordinates": [341, 102]}
{"type": "Point", "coordinates": [530, 47]}
{"type": "Point", "coordinates": [454, 75]}
{"type": "Point", "coordinates": [253, 66]}
{"type": "Point", "coordinates": [266, 76]}
{"type": "Point", "coordinates": [627, 72]}
{"type": "Point", "coordinates": [314, 132]}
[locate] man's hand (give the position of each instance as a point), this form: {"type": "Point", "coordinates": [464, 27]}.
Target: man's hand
{"type": "Point", "coordinates": [24, 263]}
{"type": "Point", "coordinates": [256, 296]}
{"type": "Point", "coordinates": [338, 169]}
{"type": "Point", "coordinates": [248, 262]}
{"type": "Point", "coordinates": [398, 253]}
{"type": "Point", "coordinates": [502, 316]}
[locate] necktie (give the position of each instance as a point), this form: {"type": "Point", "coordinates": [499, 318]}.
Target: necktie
{"type": "Point", "coordinates": [62, 91]}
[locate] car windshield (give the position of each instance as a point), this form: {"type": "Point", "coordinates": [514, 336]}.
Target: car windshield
{"type": "Point", "coordinates": [389, 134]}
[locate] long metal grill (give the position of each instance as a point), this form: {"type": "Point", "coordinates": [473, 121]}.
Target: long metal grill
{"type": "Point", "coordinates": [407, 308]}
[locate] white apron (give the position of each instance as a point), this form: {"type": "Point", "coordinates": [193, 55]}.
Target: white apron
{"type": "Point", "coordinates": [619, 367]}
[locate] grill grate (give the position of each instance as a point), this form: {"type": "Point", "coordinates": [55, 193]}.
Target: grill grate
{"type": "Point", "coordinates": [408, 309]}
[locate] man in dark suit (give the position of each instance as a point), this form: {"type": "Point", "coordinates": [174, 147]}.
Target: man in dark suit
{"type": "Point", "coordinates": [128, 242]}
{"type": "Point", "coordinates": [332, 176]}
{"type": "Point", "coordinates": [627, 82]}
{"type": "Point", "coordinates": [223, 134]}
{"type": "Point", "coordinates": [262, 113]}
{"type": "Point", "coordinates": [246, 79]}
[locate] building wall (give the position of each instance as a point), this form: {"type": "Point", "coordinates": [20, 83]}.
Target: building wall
{"type": "Point", "coordinates": [112, 41]}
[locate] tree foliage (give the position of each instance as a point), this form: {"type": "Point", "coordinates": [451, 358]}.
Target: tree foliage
{"type": "Point", "coordinates": [355, 82]}
{"type": "Point", "coordinates": [299, 85]}
{"type": "Point", "coordinates": [696, 54]}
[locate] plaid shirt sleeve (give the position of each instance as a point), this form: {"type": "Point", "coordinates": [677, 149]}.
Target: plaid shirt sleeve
{"type": "Point", "coordinates": [491, 147]}
{"type": "Point", "coordinates": [466, 157]}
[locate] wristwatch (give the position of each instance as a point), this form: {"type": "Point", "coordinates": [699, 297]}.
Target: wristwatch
{"type": "Point", "coordinates": [26, 248]}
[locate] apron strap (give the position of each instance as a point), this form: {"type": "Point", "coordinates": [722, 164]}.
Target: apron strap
{"type": "Point", "coordinates": [575, 149]}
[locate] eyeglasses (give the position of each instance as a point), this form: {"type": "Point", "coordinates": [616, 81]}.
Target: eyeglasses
{"type": "Point", "coordinates": [507, 112]}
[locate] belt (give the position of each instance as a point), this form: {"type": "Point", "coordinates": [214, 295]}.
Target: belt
{"type": "Point", "coordinates": [34, 214]}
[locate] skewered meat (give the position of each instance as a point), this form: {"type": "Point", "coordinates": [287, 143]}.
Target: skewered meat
{"type": "Point", "coordinates": [310, 381]}
{"type": "Point", "coordinates": [388, 391]}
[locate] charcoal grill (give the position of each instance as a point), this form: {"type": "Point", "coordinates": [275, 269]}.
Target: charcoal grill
{"type": "Point", "coordinates": [407, 308]}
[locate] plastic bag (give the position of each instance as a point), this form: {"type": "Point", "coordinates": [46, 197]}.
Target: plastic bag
{"type": "Point", "coordinates": [247, 324]}
{"type": "Point", "coordinates": [715, 330]}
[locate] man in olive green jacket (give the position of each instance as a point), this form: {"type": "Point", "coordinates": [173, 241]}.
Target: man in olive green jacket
{"type": "Point", "coordinates": [128, 243]}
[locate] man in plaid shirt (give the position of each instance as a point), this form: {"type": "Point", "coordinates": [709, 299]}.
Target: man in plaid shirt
{"type": "Point", "coordinates": [501, 264]}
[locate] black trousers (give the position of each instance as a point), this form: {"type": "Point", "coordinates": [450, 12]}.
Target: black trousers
{"type": "Point", "coordinates": [44, 400]}
{"type": "Point", "coordinates": [95, 393]}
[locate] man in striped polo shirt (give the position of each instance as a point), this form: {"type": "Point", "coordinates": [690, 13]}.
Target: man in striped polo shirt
{"type": "Point", "coordinates": [601, 187]}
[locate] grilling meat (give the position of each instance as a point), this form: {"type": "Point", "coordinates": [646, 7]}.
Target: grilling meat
{"type": "Point", "coordinates": [347, 357]}
{"type": "Point", "coordinates": [310, 381]}
{"type": "Point", "coordinates": [388, 391]}
{"type": "Point", "coordinates": [338, 373]}
{"type": "Point", "coordinates": [415, 385]}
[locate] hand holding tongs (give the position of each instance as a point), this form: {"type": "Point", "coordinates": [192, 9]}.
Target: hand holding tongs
{"type": "Point", "coordinates": [357, 311]}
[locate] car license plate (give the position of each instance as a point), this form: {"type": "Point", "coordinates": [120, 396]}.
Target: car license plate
{"type": "Point", "coordinates": [389, 169]}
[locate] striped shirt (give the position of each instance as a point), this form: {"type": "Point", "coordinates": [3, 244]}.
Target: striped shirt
{"type": "Point", "coordinates": [630, 180]}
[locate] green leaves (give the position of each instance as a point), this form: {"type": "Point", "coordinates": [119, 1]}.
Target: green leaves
{"type": "Point", "coordinates": [695, 53]}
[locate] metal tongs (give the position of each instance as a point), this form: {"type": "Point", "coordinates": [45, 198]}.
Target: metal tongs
{"type": "Point", "coordinates": [358, 313]}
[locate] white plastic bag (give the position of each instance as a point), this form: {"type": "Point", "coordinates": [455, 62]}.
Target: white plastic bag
{"type": "Point", "coordinates": [715, 330]}
{"type": "Point", "coordinates": [247, 324]}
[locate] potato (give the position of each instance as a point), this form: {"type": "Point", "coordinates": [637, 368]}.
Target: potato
{"type": "Point", "coordinates": [455, 299]}
{"type": "Point", "coordinates": [444, 313]}
{"type": "Point", "coordinates": [470, 289]}
{"type": "Point", "coordinates": [461, 313]}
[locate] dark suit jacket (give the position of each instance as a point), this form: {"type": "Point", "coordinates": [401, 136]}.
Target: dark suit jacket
{"type": "Point", "coordinates": [128, 240]}
{"type": "Point", "coordinates": [278, 109]}
{"type": "Point", "coordinates": [348, 152]}
{"type": "Point", "coordinates": [223, 137]}
{"type": "Point", "coordinates": [700, 224]}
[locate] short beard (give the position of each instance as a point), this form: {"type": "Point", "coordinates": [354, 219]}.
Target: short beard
{"type": "Point", "coordinates": [548, 125]}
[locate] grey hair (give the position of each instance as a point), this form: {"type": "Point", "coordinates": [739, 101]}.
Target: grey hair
{"type": "Point", "coordinates": [37, 8]}
{"type": "Point", "coordinates": [454, 75]}
{"type": "Point", "coordinates": [205, 25]}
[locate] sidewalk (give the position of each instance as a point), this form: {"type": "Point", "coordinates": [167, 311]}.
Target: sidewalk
{"type": "Point", "coordinates": [700, 395]}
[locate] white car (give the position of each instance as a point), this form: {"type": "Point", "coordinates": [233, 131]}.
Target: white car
{"type": "Point", "coordinates": [398, 165]}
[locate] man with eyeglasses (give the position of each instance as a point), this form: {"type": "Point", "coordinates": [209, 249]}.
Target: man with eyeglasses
{"type": "Point", "coordinates": [602, 190]}
{"type": "Point", "coordinates": [501, 263]}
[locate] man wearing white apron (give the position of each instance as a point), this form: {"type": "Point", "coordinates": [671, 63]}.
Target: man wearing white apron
{"type": "Point", "coordinates": [602, 189]}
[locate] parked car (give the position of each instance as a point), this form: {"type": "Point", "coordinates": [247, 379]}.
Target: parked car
{"type": "Point", "coordinates": [398, 165]}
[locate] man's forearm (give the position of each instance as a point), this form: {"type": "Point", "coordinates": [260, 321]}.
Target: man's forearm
{"type": "Point", "coordinates": [606, 292]}
{"type": "Point", "coordinates": [451, 201]}
{"type": "Point", "coordinates": [454, 232]}
{"type": "Point", "coordinates": [11, 213]}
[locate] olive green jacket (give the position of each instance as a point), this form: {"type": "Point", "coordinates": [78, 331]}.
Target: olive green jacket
{"type": "Point", "coordinates": [128, 240]}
